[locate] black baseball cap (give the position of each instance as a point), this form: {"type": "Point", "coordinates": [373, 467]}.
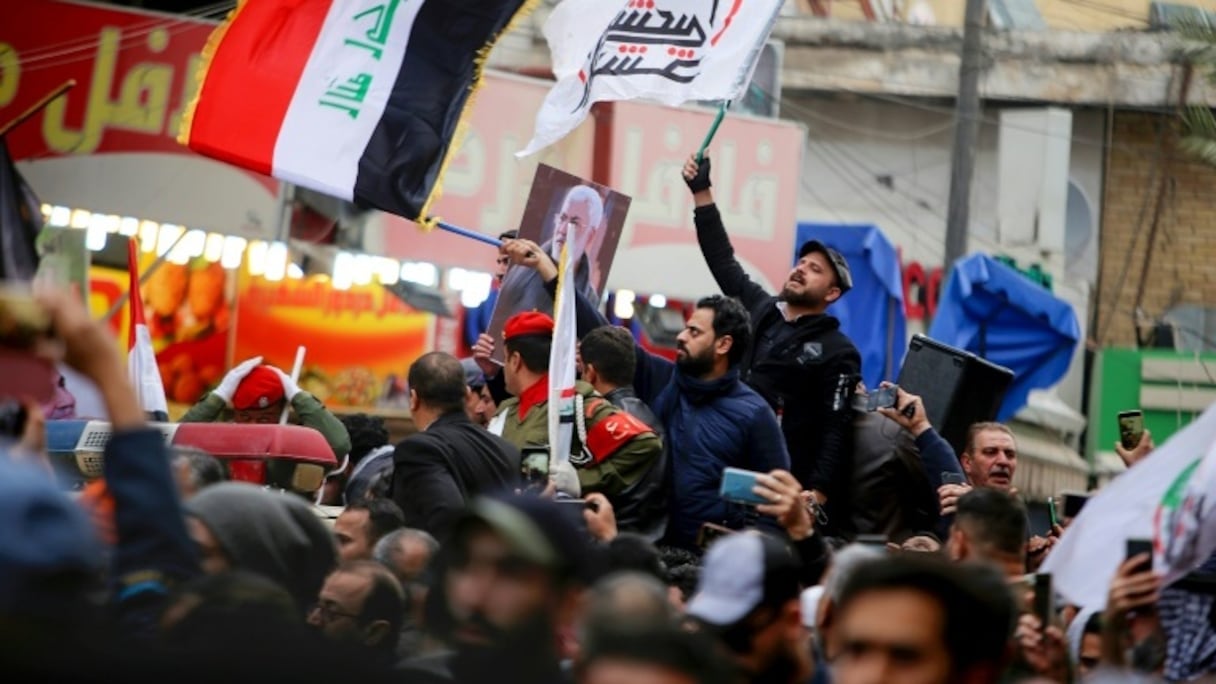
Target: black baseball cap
{"type": "Point", "coordinates": [844, 277]}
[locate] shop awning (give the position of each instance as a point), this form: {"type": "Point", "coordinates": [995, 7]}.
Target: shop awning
{"type": "Point", "coordinates": [993, 311]}
{"type": "Point", "coordinates": [872, 313]}
{"type": "Point", "coordinates": [1046, 464]}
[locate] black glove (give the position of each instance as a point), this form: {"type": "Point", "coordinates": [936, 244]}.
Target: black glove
{"type": "Point", "coordinates": [700, 181]}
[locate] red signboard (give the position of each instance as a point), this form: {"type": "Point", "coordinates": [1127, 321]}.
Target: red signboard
{"type": "Point", "coordinates": [134, 72]}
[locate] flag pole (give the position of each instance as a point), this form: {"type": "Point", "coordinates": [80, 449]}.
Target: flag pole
{"type": "Point", "coordinates": [713, 130]}
{"type": "Point", "coordinates": [295, 377]}
{"type": "Point", "coordinates": [471, 234]}
{"type": "Point", "coordinates": [143, 278]}
{"type": "Point", "coordinates": [37, 106]}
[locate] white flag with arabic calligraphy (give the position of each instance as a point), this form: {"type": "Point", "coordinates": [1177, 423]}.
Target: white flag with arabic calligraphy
{"type": "Point", "coordinates": [669, 51]}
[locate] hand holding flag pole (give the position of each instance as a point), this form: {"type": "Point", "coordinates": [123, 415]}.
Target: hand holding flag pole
{"type": "Point", "coordinates": [713, 130]}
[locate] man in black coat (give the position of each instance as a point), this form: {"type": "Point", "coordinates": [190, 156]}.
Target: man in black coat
{"type": "Point", "coordinates": [451, 459]}
{"type": "Point", "coordinates": [801, 363]}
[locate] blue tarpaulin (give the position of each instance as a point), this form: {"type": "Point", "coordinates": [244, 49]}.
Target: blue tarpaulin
{"type": "Point", "coordinates": [996, 313]}
{"type": "Point", "coordinates": [872, 313]}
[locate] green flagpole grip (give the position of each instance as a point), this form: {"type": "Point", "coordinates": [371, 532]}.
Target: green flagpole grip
{"type": "Point", "coordinates": [713, 130]}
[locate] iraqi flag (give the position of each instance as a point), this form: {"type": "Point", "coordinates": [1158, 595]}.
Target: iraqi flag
{"type": "Point", "coordinates": [357, 99]}
{"type": "Point", "coordinates": [669, 51]}
{"type": "Point", "coordinates": [141, 359]}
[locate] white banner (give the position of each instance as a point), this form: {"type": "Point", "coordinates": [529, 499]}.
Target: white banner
{"type": "Point", "coordinates": [670, 51]}
{"type": "Point", "coordinates": [1168, 497]}
{"type": "Point", "coordinates": [562, 373]}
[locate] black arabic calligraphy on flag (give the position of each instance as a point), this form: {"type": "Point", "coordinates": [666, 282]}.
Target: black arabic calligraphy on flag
{"type": "Point", "coordinates": [671, 51]}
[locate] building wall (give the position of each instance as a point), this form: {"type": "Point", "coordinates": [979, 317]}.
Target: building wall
{"type": "Point", "coordinates": [1068, 15]}
{"type": "Point", "coordinates": [1181, 267]}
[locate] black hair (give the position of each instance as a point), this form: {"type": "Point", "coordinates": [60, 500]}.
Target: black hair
{"type": "Point", "coordinates": [661, 645]}
{"type": "Point", "coordinates": [366, 434]}
{"type": "Point", "coordinates": [730, 318]}
{"type": "Point", "coordinates": [633, 552]}
{"type": "Point", "coordinates": [533, 349]}
{"type": "Point", "coordinates": [993, 519]}
{"type": "Point", "coordinates": [383, 516]}
{"type": "Point", "coordinates": [610, 349]}
{"type": "Point", "coordinates": [438, 379]}
{"type": "Point", "coordinates": [977, 608]}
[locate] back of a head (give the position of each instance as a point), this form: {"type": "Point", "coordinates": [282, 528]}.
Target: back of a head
{"type": "Point", "coordinates": [993, 520]}
{"type": "Point", "coordinates": [230, 610]}
{"type": "Point", "coordinates": [610, 350]}
{"type": "Point", "coordinates": [205, 469]}
{"type": "Point", "coordinates": [977, 608]}
{"type": "Point", "coordinates": [366, 433]}
{"type": "Point", "coordinates": [633, 552]}
{"type": "Point", "coordinates": [730, 318]}
{"type": "Point", "coordinates": [50, 561]}
{"type": "Point", "coordinates": [389, 551]}
{"type": "Point", "coordinates": [438, 380]}
{"type": "Point", "coordinates": [844, 563]}
{"type": "Point", "coordinates": [628, 598]}
{"type": "Point", "coordinates": [274, 534]}
{"type": "Point", "coordinates": [533, 350]}
{"type": "Point", "coordinates": [383, 516]}
{"type": "Point", "coordinates": [677, 653]}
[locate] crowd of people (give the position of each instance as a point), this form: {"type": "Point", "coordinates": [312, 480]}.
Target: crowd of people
{"type": "Point", "coordinates": [860, 549]}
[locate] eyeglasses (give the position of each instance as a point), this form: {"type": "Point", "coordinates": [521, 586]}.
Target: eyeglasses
{"type": "Point", "coordinates": [329, 613]}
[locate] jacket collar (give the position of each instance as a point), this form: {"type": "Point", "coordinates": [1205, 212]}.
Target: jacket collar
{"type": "Point", "coordinates": [702, 391]}
{"type": "Point", "coordinates": [449, 418]}
{"type": "Point", "coordinates": [538, 393]}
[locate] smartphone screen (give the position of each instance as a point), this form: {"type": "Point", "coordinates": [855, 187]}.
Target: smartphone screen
{"type": "Point", "coordinates": [1051, 510]}
{"type": "Point", "coordinates": [1131, 428]}
{"type": "Point", "coordinates": [883, 397]}
{"type": "Point", "coordinates": [954, 478]}
{"type": "Point", "coordinates": [1044, 599]}
{"type": "Point", "coordinates": [534, 469]}
{"type": "Point", "coordinates": [1136, 547]}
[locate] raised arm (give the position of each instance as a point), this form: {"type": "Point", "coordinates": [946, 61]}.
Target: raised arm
{"type": "Point", "coordinates": [715, 244]}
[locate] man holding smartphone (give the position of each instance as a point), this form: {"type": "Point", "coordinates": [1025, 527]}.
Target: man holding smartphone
{"type": "Point", "coordinates": [801, 363]}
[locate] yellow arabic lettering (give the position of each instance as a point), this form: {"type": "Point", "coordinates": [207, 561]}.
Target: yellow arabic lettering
{"type": "Point", "coordinates": [189, 88]}
{"type": "Point", "coordinates": [144, 99]}
{"type": "Point", "coordinates": [749, 207]}
{"type": "Point", "coordinates": [10, 73]}
{"type": "Point", "coordinates": [97, 112]}
{"type": "Point", "coordinates": [655, 204]}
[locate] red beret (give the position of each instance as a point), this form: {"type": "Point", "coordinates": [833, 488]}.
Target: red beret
{"type": "Point", "coordinates": [261, 388]}
{"type": "Point", "coordinates": [528, 323]}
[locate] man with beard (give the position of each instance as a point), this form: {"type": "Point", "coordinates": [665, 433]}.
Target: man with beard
{"type": "Point", "coordinates": [802, 364]}
{"type": "Point", "coordinates": [711, 419]}
{"type": "Point", "coordinates": [511, 579]}
{"type": "Point", "coordinates": [749, 596]}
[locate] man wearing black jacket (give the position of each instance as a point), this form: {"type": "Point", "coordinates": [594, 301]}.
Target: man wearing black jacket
{"type": "Point", "coordinates": [800, 363]}
{"type": "Point", "coordinates": [452, 459]}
